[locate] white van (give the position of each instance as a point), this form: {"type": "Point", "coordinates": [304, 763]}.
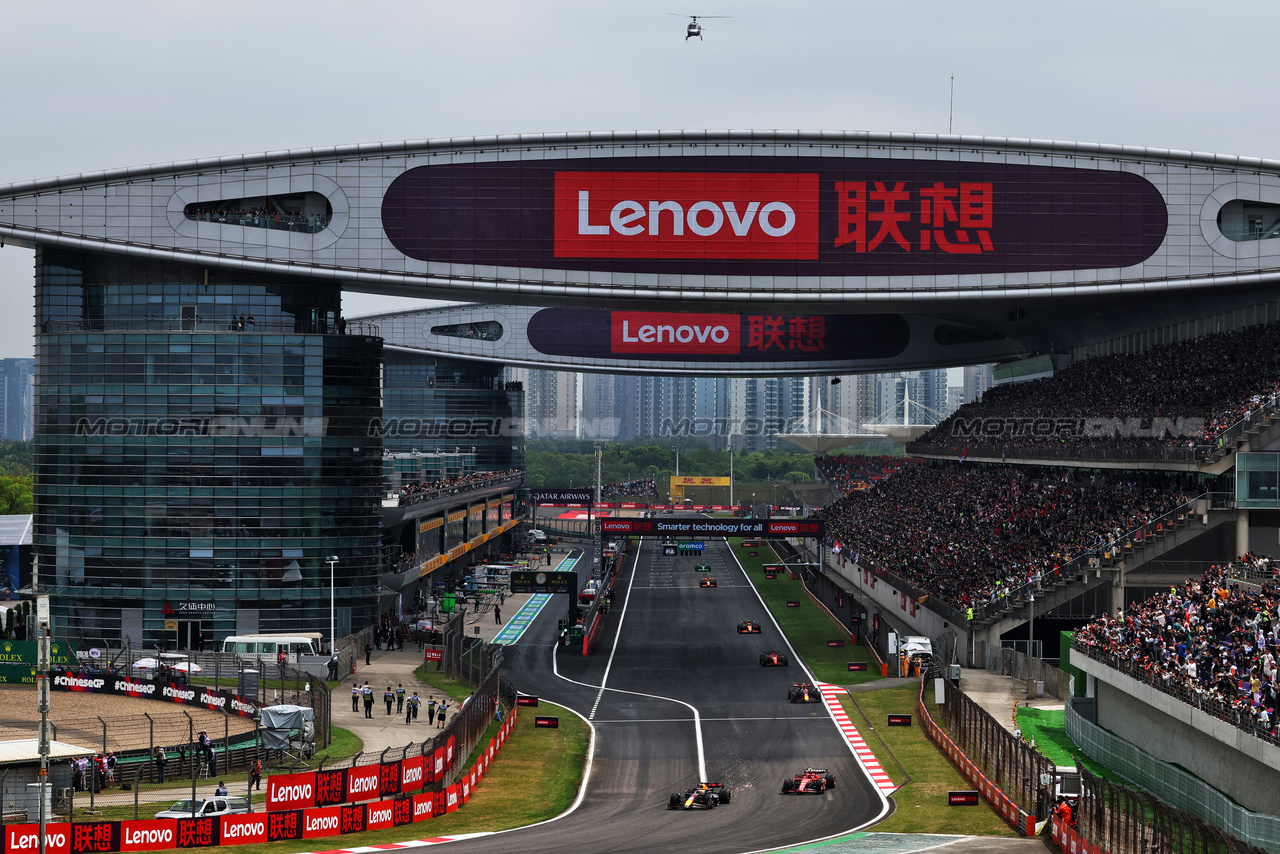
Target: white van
{"type": "Point", "coordinates": [267, 647]}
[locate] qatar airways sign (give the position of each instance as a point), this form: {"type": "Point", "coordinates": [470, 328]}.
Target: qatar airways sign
{"type": "Point", "coordinates": [685, 215]}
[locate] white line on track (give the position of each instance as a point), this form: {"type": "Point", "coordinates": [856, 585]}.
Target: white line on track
{"type": "Point", "coordinates": [697, 716]}
{"type": "Point", "coordinates": [822, 720]}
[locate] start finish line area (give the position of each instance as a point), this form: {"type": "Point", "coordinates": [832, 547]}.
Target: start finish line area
{"type": "Point", "coordinates": [765, 528]}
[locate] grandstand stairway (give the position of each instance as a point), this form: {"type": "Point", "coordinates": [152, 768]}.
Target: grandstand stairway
{"type": "Point", "coordinates": [1111, 569]}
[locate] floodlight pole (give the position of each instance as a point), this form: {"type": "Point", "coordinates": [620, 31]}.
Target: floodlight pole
{"type": "Point", "coordinates": [333, 641]}
{"type": "Point", "coordinates": [42, 701]}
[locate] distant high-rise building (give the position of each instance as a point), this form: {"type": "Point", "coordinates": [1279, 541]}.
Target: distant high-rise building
{"type": "Point", "coordinates": [17, 386]}
{"type": "Point", "coordinates": [977, 379]}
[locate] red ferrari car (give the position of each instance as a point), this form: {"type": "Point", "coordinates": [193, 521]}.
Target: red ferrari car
{"type": "Point", "coordinates": [810, 781]}
{"type": "Point", "coordinates": [773, 658]}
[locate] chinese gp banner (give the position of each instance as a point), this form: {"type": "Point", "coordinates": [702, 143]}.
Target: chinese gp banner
{"type": "Point", "coordinates": [171, 692]}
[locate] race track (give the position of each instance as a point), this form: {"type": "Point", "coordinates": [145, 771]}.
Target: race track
{"type": "Point", "coordinates": [685, 693]}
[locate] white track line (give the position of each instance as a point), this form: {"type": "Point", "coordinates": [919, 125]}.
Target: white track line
{"type": "Point", "coordinates": [697, 716]}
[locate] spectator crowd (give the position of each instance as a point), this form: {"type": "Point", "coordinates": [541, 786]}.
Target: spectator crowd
{"type": "Point", "coordinates": [968, 533]}
{"type": "Point", "coordinates": [1214, 642]}
{"type": "Point", "coordinates": [846, 472]}
{"type": "Point", "coordinates": [411, 493]}
{"type": "Point", "coordinates": [1214, 382]}
{"type": "Point", "coordinates": [629, 489]}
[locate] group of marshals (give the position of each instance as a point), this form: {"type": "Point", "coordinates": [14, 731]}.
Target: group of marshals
{"type": "Point", "coordinates": [402, 702]}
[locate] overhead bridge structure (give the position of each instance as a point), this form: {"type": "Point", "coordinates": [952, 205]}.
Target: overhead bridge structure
{"type": "Point", "coordinates": [785, 251]}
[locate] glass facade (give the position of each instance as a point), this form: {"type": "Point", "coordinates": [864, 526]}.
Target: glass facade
{"type": "Point", "coordinates": [202, 443]}
{"type": "Point", "coordinates": [435, 404]}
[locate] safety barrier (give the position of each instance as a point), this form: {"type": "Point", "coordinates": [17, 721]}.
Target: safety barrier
{"type": "Point", "coordinates": [397, 805]}
{"type": "Point", "coordinates": [1004, 805]}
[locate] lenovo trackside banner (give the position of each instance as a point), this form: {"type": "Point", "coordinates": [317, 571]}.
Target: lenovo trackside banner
{"type": "Point", "coordinates": [775, 215]}
{"type": "Point", "coordinates": [686, 215]}
{"type": "Point", "coordinates": [717, 337]}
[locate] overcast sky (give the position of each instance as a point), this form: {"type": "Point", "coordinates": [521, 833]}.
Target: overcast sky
{"type": "Point", "coordinates": [97, 85]}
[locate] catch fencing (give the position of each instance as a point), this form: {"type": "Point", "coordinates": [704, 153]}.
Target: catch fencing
{"type": "Point", "coordinates": [1012, 765]}
{"type": "Point", "coordinates": [1185, 802]}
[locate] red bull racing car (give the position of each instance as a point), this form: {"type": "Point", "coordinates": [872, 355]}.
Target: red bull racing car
{"type": "Point", "coordinates": [804, 692]}
{"type": "Point", "coordinates": [705, 796]}
{"type": "Point", "coordinates": [810, 781]}
{"type": "Point", "coordinates": [773, 658]}
{"type": "Point", "coordinates": [748, 627]}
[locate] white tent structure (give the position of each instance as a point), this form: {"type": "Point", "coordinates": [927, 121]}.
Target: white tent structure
{"type": "Point", "coordinates": [896, 424]}
{"type": "Point", "coordinates": [291, 730]}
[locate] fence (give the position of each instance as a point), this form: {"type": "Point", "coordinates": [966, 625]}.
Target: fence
{"type": "Point", "coordinates": [1184, 801]}
{"type": "Point", "coordinates": [1239, 716]}
{"type": "Point", "coordinates": [1024, 668]}
{"type": "Point", "coordinates": [1007, 761]}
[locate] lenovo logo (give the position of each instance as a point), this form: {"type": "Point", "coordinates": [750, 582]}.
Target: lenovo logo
{"type": "Point", "coordinates": [658, 332]}
{"type": "Point", "coordinates": [686, 215]}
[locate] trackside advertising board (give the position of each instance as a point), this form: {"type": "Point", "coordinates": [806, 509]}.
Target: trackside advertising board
{"type": "Point", "coordinates": [170, 692]}
{"type": "Point", "coordinates": [287, 823]}
{"type": "Point", "coordinates": [715, 527]}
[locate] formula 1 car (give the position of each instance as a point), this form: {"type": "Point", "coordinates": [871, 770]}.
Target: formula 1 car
{"type": "Point", "coordinates": [748, 627]}
{"type": "Point", "coordinates": [708, 581]}
{"type": "Point", "coordinates": [702, 567]}
{"type": "Point", "coordinates": [773, 658]}
{"type": "Point", "coordinates": [804, 692]}
{"type": "Point", "coordinates": [810, 781]}
{"type": "Point", "coordinates": [705, 796]}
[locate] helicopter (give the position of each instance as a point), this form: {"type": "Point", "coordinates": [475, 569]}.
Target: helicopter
{"type": "Point", "coordinates": [694, 28]}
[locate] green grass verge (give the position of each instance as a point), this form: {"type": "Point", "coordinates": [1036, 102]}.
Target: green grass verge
{"type": "Point", "coordinates": [921, 805]}
{"type": "Point", "coordinates": [1048, 729]}
{"type": "Point", "coordinates": [343, 744]}
{"type": "Point", "coordinates": [440, 683]}
{"type": "Point", "coordinates": [504, 799]}
{"type": "Point", "coordinates": [807, 627]}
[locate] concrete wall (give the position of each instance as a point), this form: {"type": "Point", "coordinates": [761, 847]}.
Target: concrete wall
{"type": "Point", "coordinates": [897, 609]}
{"type": "Point", "coordinates": [1226, 757]}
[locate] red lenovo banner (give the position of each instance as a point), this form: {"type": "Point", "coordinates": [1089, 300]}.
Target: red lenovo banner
{"type": "Point", "coordinates": [291, 791]}
{"type": "Point", "coordinates": [352, 819]}
{"type": "Point", "coordinates": [331, 787]}
{"type": "Point", "coordinates": [379, 814]}
{"type": "Point", "coordinates": [26, 838]}
{"type": "Point", "coordinates": [197, 832]}
{"type": "Point", "coordinates": [753, 216]}
{"type": "Point", "coordinates": [282, 826]}
{"type": "Point", "coordinates": [665, 332]}
{"type": "Point", "coordinates": [411, 774]}
{"type": "Point", "coordinates": [401, 811]}
{"type": "Point", "coordinates": [449, 745]}
{"type": "Point", "coordinates": [248, 829]}
{"type": "Point", "coordinates": [322, 822]}
{"type": "Point", "coordinates": [362, 783]}
{"type": "Point", "coordinates": [452, 798]}
{"type": "Point", "coordinates": [153, 835]}
{"type": "Point", "coordinates": [424, 806]}
{"type": "Point", "coordinates": [438, 760]}
{"type": "Point", "coordinates": [389, 779]}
